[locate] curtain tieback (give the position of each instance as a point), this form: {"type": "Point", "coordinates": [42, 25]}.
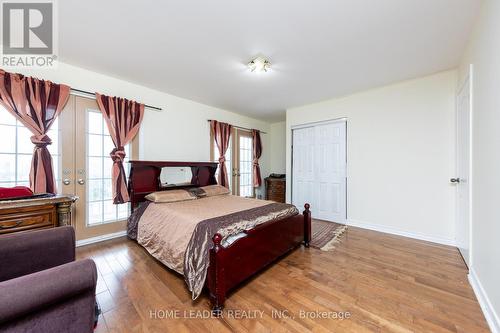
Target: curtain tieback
{"type": "Point", "coordinates": [41, 141]}
{"type": "Point", "coordinates": [255, 161]}
{"type": "Point", "coordinates": [222, 159]}
{"type": "Point", "coordinates": [118, 154]}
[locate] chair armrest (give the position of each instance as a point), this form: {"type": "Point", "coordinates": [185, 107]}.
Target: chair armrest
{"type": "Point", "coordinates": [34, 292]}
{"type": "Point", "coordinates": [32, 251]}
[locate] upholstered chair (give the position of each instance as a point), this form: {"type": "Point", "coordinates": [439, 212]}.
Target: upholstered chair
{"type": "Point", "coordinates": [42, 287]}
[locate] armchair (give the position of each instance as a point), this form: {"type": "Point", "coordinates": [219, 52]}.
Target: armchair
{"type": "Point", "coordinates": [42, 287]}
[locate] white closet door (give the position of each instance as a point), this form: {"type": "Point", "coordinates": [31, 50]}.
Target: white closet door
{"type": "Point", "coordinates": [303, 187]}
{"type": "Point", "coordinates": [330, 172]}
{"type": "Point", "coordinates": [319, 170]}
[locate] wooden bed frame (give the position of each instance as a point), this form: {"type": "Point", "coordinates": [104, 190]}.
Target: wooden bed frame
{"type": "Point", "coordinates": [231, 265]}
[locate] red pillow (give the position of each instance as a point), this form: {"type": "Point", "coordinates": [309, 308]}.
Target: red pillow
{"type": "Point", "coordinates": [15, 192]}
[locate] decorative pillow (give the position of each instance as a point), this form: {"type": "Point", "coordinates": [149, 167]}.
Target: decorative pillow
{"type": "Point", "coordinates": [171, 196]}
{"type": "Point", "coordinates": [15, 192]}
{"type": "Point", "coordinates": [213, 190]}
{"type": "Point", "coordinates": [198, 192]}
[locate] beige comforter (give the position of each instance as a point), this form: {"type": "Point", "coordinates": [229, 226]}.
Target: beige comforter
{"type": "Point", "coordinates": [166, 230]}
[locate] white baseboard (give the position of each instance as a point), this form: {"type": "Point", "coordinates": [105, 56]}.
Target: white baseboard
{"type": "Point", "coordinates": [394, 231]}
{"type": "Point", "coordinates": [488, 310]}
{"type": "Point", "coordinates": [100, 238]}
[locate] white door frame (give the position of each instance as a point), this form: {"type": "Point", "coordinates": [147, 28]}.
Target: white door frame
{"type": "Point", "coordinates": [322, 122]}
{"type": "Point", "coordinates": [468, 79]}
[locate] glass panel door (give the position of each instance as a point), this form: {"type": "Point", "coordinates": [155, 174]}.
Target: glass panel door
{"type": "Point", "coordinates": [87, 170]}
{"type": "Point", "coordinates": [243, 173]}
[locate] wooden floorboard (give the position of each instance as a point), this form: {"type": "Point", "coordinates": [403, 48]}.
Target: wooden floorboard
{"type": "Point", "coordinates": [378, 282]}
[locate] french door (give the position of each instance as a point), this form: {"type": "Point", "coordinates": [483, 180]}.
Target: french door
{"type": "Point", "coordinates": [319, 161]}
{"type": "Point", "coordinates": [86, 169]}
{"type": "Point", "coordinates": [239, 162]}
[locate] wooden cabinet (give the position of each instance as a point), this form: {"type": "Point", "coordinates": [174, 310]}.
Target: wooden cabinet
{"type": "Point", "coordinates": [275, 189]}
{"type": "Point", "coordinates": [39, 213]}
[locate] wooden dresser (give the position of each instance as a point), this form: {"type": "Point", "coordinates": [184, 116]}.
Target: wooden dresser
{"type": "Point", "coordinates": [275, 189]}
{"type": "Point", "coordinates": [38, 213]}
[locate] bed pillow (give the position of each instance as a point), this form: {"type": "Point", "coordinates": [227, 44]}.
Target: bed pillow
{"type": "Point", "coordinates": [213, 190]}
{"type": "Point", "coordinates": [171, 196]}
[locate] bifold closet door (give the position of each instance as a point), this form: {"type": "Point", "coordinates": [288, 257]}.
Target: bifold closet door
{"type": "Point", "coordinates": [330, 172]}
{"type": "Point", "coordinates": [303, 164]}
{"type": "Point", "coordinates": [319, 170]}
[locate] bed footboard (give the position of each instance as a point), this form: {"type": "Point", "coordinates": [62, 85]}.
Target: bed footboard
{"type": "Point", "coordinates": [229, 266]}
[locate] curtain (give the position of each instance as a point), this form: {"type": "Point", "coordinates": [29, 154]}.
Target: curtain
{"type": "Point", "coordinates": [257, 153]}
{"type": "Point", "coordinates": [123, 118]}
{"type": "Point", "coordinates": [222, 134]}
{"type": "Point", "coordinates": [35, 104]}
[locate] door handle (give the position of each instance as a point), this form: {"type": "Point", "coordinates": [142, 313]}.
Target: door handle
{"type": "Point", "coordinates": [81, 181]}
{"type": "Point", "coordinates": [66, 181]}
{"type": "Point", "coordinates": [455, 180]}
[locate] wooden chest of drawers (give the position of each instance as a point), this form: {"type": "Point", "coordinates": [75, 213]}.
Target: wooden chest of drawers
{"type": "Point", "coordinates": [40, 213]}
{"type": "Point", "coordinates": [275, 189]}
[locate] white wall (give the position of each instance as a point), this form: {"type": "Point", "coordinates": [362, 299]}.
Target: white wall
{"type": "Point", "coordinates": [483, 52]}
{"type": "Point", "coordinates": [401, 141]}
{"type": "Point", "coordinates": [179, 133]}
{"type": "Point", "coordinates": [278, 144]}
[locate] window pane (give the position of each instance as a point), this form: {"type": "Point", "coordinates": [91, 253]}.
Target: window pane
{"type": "Point", "coordinates": [107, 190]}
{"type": "Point", "coordinates": [55, 167]}
{"type": "Point", "coordinates": [109, 211]}
{"type": "Point", "coordinates": [95, 145]}
{"type": "Point", "coordinates": [23, 167]}
{"type": "Point", "coordinates": [95, 122]}
{"type": "Point", "coordinates": [95, 167]}
{"type": "Point", "coordinates": [108, 145]}
{"type": "Point", "coordinates": [108, 165]}
{"type": "Point", "coordinates": [54, 147]}
{"type": "Point", "coordinates": [6, 118]}
{"type": "Point", "coordinates": [94, 212]}
{"type": "Point", "coordinates": [94, 190]}
{"type": "Point", "coordinates": [123, 210]}
{"type": "Point", "coordinates": [7, 167]}
{"type": "Point", "coordinates": [6, 135]}
{"type": "Point", "coordinates": [24, 144]}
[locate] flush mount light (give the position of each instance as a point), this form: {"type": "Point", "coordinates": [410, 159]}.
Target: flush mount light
{"type": "Point", "coordinates": [259, 65]}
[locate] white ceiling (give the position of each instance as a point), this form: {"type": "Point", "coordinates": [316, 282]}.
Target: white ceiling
{"type": "Point", "coordinates": [197, 49]}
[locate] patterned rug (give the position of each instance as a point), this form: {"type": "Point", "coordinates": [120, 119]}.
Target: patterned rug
{"type": "Point", "coordinates": [326, 234]}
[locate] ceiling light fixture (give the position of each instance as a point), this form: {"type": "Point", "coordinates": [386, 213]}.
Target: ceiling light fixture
{"type": "Point", "coordinates": [259, 65]}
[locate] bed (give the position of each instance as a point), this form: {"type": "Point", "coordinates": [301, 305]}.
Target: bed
{"type": "Point", "coordinates": [215, 241]}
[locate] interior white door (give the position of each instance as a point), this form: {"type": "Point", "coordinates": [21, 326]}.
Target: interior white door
{"type": "Point", "coordinates": [303, 181]}
{"type": "Point", "coordinates": [463, 170]}
{"type": "Point", "coordinates": [319, 170]}
{"type": "Point", "coordinates": [330, 170]}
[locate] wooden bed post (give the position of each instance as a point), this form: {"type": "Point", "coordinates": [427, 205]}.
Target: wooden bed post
{"type": "Point", "coordinates": [216, 276]}
{"type": "Point", "coordinates": [307, 225]}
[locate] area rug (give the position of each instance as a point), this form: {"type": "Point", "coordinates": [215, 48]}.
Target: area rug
{"type": "Point", "coordinates": [326, 234]}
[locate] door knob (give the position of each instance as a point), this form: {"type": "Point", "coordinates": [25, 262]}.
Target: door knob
{"type": "Point", "coordinates": [66, 181]}
{"type": "Point", "coordinates": [455, 180]}
{"type": "Point", "coordinates": [81, 181]}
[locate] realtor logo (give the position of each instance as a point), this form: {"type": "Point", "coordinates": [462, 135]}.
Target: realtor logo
{"type": "Point", "coordinates": [28, 31]}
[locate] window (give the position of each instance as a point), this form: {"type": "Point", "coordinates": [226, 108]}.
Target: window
{"type": "Point", "coordinates": [16, 151]}
{"type": "Point", "coordinates": [100, 207]}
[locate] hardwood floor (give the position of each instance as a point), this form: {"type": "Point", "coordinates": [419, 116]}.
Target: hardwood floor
{"type": "Point", "coordinates": [378, 282]}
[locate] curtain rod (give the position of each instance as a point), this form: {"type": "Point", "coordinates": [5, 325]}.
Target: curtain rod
{"type": "Point", "coordinates": [243, 128]}
{"type": "Point", "coordinates": [84, 92]}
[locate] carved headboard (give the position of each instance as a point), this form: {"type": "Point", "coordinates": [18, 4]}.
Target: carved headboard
{"type": "Point", "coordinates": [144, 177]}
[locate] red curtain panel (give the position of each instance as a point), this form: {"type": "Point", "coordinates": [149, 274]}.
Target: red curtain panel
{"type": "Point", "coordinates": [35, 104]}
{"type": "Point", "coordinates": [222, 135]}
{"type": "Point", "coordinates": [257, 153]}
{"type": "Point", "coordinates": [123, 119]}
